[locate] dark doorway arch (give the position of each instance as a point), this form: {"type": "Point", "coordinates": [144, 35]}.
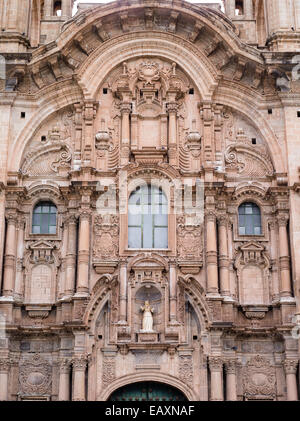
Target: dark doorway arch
{"type": "Point", "coordinates": [147, 391]}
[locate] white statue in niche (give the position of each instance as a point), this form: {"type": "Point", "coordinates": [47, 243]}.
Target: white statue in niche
{"type": "Point", "coordinates": [147, 317]}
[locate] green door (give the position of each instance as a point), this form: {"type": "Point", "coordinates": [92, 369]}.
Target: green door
{"type": "Point", "coordinates": [147, 391]}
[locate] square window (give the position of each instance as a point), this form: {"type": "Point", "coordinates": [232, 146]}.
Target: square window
{"type": "Point", "coordinates": [23, 114]}
{"type": "Point", "coordinates": [134, 237]}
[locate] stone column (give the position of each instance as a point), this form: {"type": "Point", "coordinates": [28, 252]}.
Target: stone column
{"type": "Point", "coordinates": [173, 299]}
{"type": "Point", "coordinates": [62, 275]}
{"type": "Point", "coordinates": [19, 266]}
{"type": "Point", "coordinates": [216, 378]}
{"type": "Point", "coordinates": [125, 142]}
{"type": "Point", "coordinates": [4, 369]}
{"type": "Point", "coordinates": [223, 256]}
{"type": "Point", "coordinates": [211, 254]}
{"type": "Point", "coordinates": [83, 253]}
{"type": "Point", "coordinates": [123, 291]}
{"type": "Point", "coordinates": [231, 393]}
{"type": "Point", "coordinates": [274, 253]}
{"type": "Point", "coordinates": [71, 256]}
{"type": "Point", "coordinates": [172, 110]}
{"type": "Point", "coordinates": [79, 367]}
{"type": "Point", "coordinates": [285, 288]}
{"type": "Point", "coordinates": [10, 256]}
{"type": "Point", "coordinates": [64, 379]}
{"type": "Point", "coordinates": [48, 8]}
{"type": "Point", "coordinates": [290, 367]}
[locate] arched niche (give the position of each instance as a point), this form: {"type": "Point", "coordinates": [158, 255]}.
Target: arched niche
{"type": "Point", "coordinates": [151, 294]}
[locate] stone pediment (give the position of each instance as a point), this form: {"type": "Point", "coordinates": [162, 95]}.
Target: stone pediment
{"type": "Point", "coordinates": [42, 245]}
{"type": "Point", "coordinates": [252, 246]}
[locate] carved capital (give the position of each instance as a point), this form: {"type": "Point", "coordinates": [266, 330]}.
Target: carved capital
{"type": "Point", "coordinates": [215, 363]}
{"type": "Point", "coordinates": [223, 221]}
{"type": "Point", "coordinates": [172, 107]}
{"type": "Point", "coordinates": [125, 108]}
{"type": "Point", "coordinates": [230, 366]}
{"type": "Point", "coordinates": [282, 220]}
{"type": "Point", "coordinates": [65, 365]}
{"type": "Point", "coordinates": [4, 365]}
{"type": "Point", "coordinates": [79, 363]}
{"type": "Point", "coordinates": [290, 366]}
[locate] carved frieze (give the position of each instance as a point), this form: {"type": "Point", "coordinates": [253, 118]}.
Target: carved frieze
{"type": "Point", "coordinates": [185, 369]}
{"type": "Point", "coordinates": [189, 241]}
{"type": "Point", "coordinates": [108, 370]}
{"type": "Point", "coordinates": [106, 238]}
{"type": "Point", "coordinates": [259, 381]}
{"type": "Point", "coordinates": [35, 376]}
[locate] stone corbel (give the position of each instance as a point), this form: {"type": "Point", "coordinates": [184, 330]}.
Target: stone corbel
{"type": "Point", "coordinates": [173, 21]}
{"type": "Point", "coordinates": [36, 74]}
{"type": "Point", "coordinates": [102, 34]}
{"type": "Point", "coordinates": [53, 63]}
{"type": "Point", "coordinates": [240, 69]}
{"type": "Point", "coordinates": [212, 46]}
{"type": "Point", "coordinates": [149, 17]}
{"type": "Point", "coordinates": [81, 43]}
{"type": "Point", "coordinates": [257, 77]}
{"type": "Point", "coordinates": [196, 31]}
{"type": "Point", "coordinates": [124, 22]}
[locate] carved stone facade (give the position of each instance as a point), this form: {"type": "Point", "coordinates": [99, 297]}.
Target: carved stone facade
{"type": "Point", "coordinates": [195, 106]}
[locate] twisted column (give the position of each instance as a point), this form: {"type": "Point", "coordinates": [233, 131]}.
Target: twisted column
{"type": "Point", "coordinates": [290, 367]}
{"type": "Point", "coordinates": [216, 378]}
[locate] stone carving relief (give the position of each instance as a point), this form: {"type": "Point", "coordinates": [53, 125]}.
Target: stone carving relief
{"type": "Point", "coordinates": [108, 370]}
{"type": "Point", "coordinates": [189, 240]}
{"type": "Point", "coordinates": [186, 369]}
{"type": "Point", "coordinates": [50, 158]}
{"type": "Point", "coordinates": [259, 379]}
{"type": "Point", "coordinates": [106, 238]}
{"type": "Point", "coordinates": [35, 376]}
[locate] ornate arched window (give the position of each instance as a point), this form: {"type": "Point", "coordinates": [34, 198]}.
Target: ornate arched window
{"type": "Point", "coordinates": [44, 218]}
{"type": "Point", "coordinates": [148, 218]}
{"type": "Point", "coordinates": [249, 219]}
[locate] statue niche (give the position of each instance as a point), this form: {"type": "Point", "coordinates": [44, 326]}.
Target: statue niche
{"type": "Point", "coordinates": [148, 313]}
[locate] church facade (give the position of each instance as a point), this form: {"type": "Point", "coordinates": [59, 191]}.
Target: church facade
{"type": "Point", "coordinates": [149, 195]}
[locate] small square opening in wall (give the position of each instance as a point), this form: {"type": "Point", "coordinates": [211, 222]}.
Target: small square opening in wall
{"type": "Point", "coordinates": [195, 337]}
{"type": "Point", "coordinates": [191, 91]}
{"type": "Point", "coordinates": [270, 111]}
{"type": "Point", "coordinates": [298, 114]}
{"type": "Point", "coordinates": [43, 138]}
{"type": "Point", "coordinates": [23, 114]}
{"type": "Point", "coordinates": [253, 141]}
{"type": "Point", "coordinates": [105, 91]}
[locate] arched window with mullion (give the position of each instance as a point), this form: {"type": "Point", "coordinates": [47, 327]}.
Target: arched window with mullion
{"type": "Point", "coordinates": [148, 218]}
{"type": "Point", "coordinates": [44, 218]}
{"type": "Point", "coordinates": [249, 219]}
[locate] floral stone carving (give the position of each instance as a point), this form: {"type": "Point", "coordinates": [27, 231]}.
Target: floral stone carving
{"type": "Point", "coordinates": [35, 376]}
{"type": "Point", "coordinates": [259, 379]}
